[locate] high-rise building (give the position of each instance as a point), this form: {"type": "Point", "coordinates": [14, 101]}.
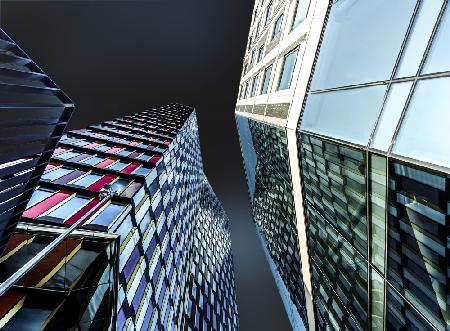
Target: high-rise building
{"type": "Point", "coordinates": [34, 113]}
{"type": "Point", "coordinates": [155, 256]}
{"type": "Point", "coordinates": [361, 165]}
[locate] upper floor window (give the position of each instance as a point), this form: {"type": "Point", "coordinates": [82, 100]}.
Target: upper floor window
{"type": "Point", "coordinates": [300, 12]}
{"type": "Point", "coordinates": [252, 60]}
{"type": "Point", "coordinates": [255, 83]}
{"type": "Point", "coordinates": [266, 80]}
{"type": "Point", "coordinates": [287, 70]}
{"type": "Point", "coordinates": [268, 13]}
{"type": "Point", "coordinates": [261, 53]}
{"type": "Point", "coordinates": [258, 27]}
{"type": "Point", "coordinates": [278, 24]}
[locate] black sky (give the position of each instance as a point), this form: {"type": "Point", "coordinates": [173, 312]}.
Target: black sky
{"type": "Point", "coordinates": [118, 57]}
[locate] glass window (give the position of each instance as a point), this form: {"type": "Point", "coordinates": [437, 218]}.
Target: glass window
{"type": "Point", "coordinates": [300, 12]}
{"type": "Point", "coordinates": [247, 91]}
{"type": "Point", "coordinates": [66, 155]}
{"type": "Point", "coordinates": [244, 91]}
{"type": "Point", "coordinates": [92, 161]}
{"type": "Point", "coordinates": [266, 81]}
{"type": "Point", "coordinates": [258, 27]}
{"type": "Point", "coordinates": [119, 185]}
{"type": "Point", "coordinates": [87, 180]}
{"type": "Point", "coordinates": [347, 57]}
{"type": "Point", "coordinates": [288, 70]}
{"type": "Point", "coordinates": [349, 115]}
{"type": "Point", "coordinates": [141, 171]}
{"type": "Point", "coordinates": [57, 173]}
{"type": "Point", "coordinates": [108, 215]}
{"type": "Point", "coordinates": [277, 28]}
{"type": "Point", "coordinates": [117, 166]}
{"type": "Point", "coordinates": [418, 39]}
{"type": "Point", "coordinates": [68, 208]}
{"type": "Point", "coordinates": [38, 196]}
{"type": "Point", "coordinates": [268, 13]}
{"type": "Point", "coordinates": [390, 116]}
{"type": "Point", "coordinates": [252, 60]}
{"type": "Point", "coordinates": [255, 84]}
{"type": "Point", "coordinates": [424, 131]}
{"type": "Point", "coordinates": [260, 53]}
{"type": "Point", "coordinates": [437, 60]}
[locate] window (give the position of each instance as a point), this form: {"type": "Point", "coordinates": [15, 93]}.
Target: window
{"type": "Point", "coordinates": [255, 83]}
{"type": "Point", "coordinates": [346, 114]}
{"type": "Point", "coordinates": [278, 24]}
{"type": "Point", "coordinates": [92, 161]}
{"type": "Point", "coordinates": [244, 94]}
{"type": "Point", "coordinates": [260, 53]}
{"type": "Point", "coordinates": [57, 173]}
{"type": "Point", "coordinates": [252, 60]}
{"type": "Point", "coordinates": [268, 13]}
{"type": "Point", "coordinates": [66, 155]}
{"type": "Point", "coordinates": [300, 12]}
{"type": "Point", "coordinates": [247, 91]}
{"type": "Point", "coordinates": [68, 208]}
{"type": "Point", "coordinates": [108, 215]}
{"type": "Point", "coordinates": [87, 180]}
{"type": "Point", "coordinates": [117, 166]}
{"type": "Point", "coordinates": [346, 56]}
{"type": "Point", "coordinates": [258, 27]}
{"type": "Point", "coordinates": [38, 196]}
{"type": "Point", "coordinates": [287, 71]}
{"type": "Point", "coordinates": [266, 81]}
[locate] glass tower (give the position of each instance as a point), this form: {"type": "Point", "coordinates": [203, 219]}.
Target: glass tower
{"type": "Point", "coordinates": [34, 113]}
{"type": "Point", "coordinates": [157, 255]}
{"type": "Point", "coordinates": [357, 152]}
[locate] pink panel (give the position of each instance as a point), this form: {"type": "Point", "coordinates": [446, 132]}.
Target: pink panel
{"type": "Point", "coordinates": [133, 143]}
{"type": "Point", "coordinates": [59, 150]}
{"type": "Point", "coordinates": [83, 211]}
{"type": "Point", "coordinates": [46, 204]}
{"type": "Point", "coordinates": [130, 168]}
{"type": "Point", "coordinates": [114, 150]}
{"type": "Point", "coordinates": [98, 185]}
{"type": "Point", "coordinates": [131, 190]}
{"type": "Point", "coordinates": [92, 145]}
{"type": "Point", "coordinates": [105, 163]}
{"type": "Point", "coordinates": [50, 166]}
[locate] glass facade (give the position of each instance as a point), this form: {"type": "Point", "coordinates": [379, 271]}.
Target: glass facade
{"type": "Point", "coordinates": [173, 267]}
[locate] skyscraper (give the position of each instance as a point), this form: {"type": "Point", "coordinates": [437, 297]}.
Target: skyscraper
{"type": "Point", "coordinates": [367, 171]}
{"type": "Point", "coordinates": [34, 113]}
{"type": "Point", "coordinates": [156, 255]}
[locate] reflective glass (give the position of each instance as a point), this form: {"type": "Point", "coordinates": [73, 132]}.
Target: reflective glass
{"type": "Point", "coordinates": [68, 208]}
{"type": "Point", "coordinates": [300, 12]}
{"type": "Point", "coordinates": [87, 180]}
{"type": "Point", "coordinates": [362, 41]}
{"type": "Point", "coordinates": [38, 196]}
{"type": "Point", "coordinates": [418, 39]}
{"type": "Point", "coordinates": [92, 161]}
{"type": "Point", "coordinates": [57, 173]}
{"type": "Point", "coordinates": [424, 132]}
{"type": "Point", "coordinates": [390, 116]}
{"type": "Point", "coordinates": [265, 85]}
{"type": "Point", "coordinates": [278, 23]}
{"type": "Point", "coordinates": [437, 60]}
{"type": "Point", "coordinates": [255, 84]}
{"type": "Point", "coordinates": [118, 166]}
{"type": "Point", "coordinates": [108, 215]}
{"type": "Point", "coordinates": [268, 13]}
{"type": "Point", "coordinates": [66, 155]}
{"type": "Point", "coordinates": [349, 115]}
{"type": "Point", "coordinates": [376, 300]}
{"type": "Point", "coordinates": [261, 53]}
{"type": "Point", "coordinates": [287, 71]}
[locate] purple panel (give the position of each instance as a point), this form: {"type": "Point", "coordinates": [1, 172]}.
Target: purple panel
{"type": "Point", "coordinates": [131, 263]}
{"type": "Point", "coordinates": [79, 157]}
{"type": "Point", "coordinates": [139, 293]}
{"type": "Point", "coordinates": [69, 177]}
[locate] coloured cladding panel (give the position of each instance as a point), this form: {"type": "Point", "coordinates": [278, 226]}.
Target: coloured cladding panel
{"type": "Point", "coordinates": [174, 267]}
{"type": "Point", "coordinates": [34, 114]}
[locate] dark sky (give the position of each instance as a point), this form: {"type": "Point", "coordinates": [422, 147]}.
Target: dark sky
{"type": "Point", "coordinates": [118, 57]}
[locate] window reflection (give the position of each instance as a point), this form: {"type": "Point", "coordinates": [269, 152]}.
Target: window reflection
{"type": "Point", "coordinates": [288, 70]}
{"type": "Point", "coordinates": [437, 60]}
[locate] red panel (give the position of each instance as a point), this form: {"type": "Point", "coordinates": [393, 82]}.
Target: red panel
{"type": "Point", "coordinates": [14, 241]}
{"type": "Point", "coordinates": [46, 204]}
{"type": "Point", "coordinates": [98, 185]}
{"type": "Point", "coordinates": [9, 300]}
{"type": "Point", "coordinates": [130, 168]}
{"type": "Point", "coordinates": [105, 163]}
{"type": "Point", "coordinates": [154, 159]}
{"type": "Point", "coordinates": [83, 211]}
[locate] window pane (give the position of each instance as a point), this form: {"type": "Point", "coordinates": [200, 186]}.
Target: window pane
{"type": "Point", "coordinates": [57, 173]}
{"type": "Point", "coordinates": [118, 166]}
{"type": "Point", "coordinates": [68, 208]}
{"type": "Point", "coordinates": [266, 81]}
{"type": "Point", "coordinates": [66, 155]}
{"type": "Point", "coordinates": [300, 12]}
{"type": "Point", "coordinates": [418, 39]}
{"type": "Point", "coordinates": [87, 180]}
{"type": "Point", "coordinates": [288, 70]}
{"type": "Point", "coordinates": [424, 131]}
{"type": "Point", "coordinates": [437, 60]}
{"type": "Point", "coordinates": [119, 185]}
{"type": "Point", "coordinates": [92, 161]}
{"type": "Point", "coordinates": [347, 114]}
{"type": "Point", "coordinates": [255, 83]}
{"type": "Point", "coordinates": [38, 196]}
{"type": "Point", "coordinates": [260, 53]}
{"type": "Point", "coordinates": [278, 24]}
{"type": "Point", "coordinates": [361, 42]}
{"type": "Point", "coordinates": [107, 216]}
{"type": "Point", "coordinates": [268, 13]}
{"type": "Point", "coordinates": [390, 116]}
